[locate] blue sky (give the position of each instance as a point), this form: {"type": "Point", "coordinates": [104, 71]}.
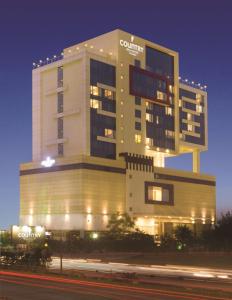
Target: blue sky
{"type": "Point", "coordinates": [201, 31]}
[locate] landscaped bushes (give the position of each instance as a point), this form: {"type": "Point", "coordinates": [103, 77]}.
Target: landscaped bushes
{"type": "Point", "coordinates": [134, 241]}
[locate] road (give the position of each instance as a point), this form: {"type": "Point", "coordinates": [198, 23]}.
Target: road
{"type": "Point", "coordinates": [21, 286]}
{"type": "Point", "coordinates": [165, 271]}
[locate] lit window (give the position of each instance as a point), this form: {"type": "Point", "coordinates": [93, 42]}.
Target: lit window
{"type": "Point", "coordinates": [198, 98]}
{"type": "Point", "coordinates": [190, 127]}
{"type": "Point", "coordinates": [161, 95]}
{"type": "Point", "coordinates": [94, 90]}
{"type": "Point", "coordinates": [95, 103]}
{"type": "Point", "coordinates": [155, 193]}
{"type": "Point", "coordinates": [199, 108]}
{"type": "Point", "coordinates": [180, 103]}
{"type": "Point", "coordinates": [138, 138]}
{"type": "Point", "coordinates": [149, 105]}
{"type": "Point", "coordinates": [168, 111]}
{"type": "Point", "coordinates": [109, 133]}
{"type": "Point", "coordinates": [109, 94]}
{"type": "Point", "coordinates": [149, 142]}
{"type": "Point", "coordinates": [149, 117]}
{"type": "Point", "coordinates": [189, 117]}
{"type": "Point", "coordinates": [160, 193]}
{"type": "Point", "coordinates": [169, 133]}
{"type": "Point", "coordinates": [171, 89]}
{"type": "Point", "coordinates": [157, 120]}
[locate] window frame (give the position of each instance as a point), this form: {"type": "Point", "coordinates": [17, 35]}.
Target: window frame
{"type": "Point", "coordinates": [169, 187]}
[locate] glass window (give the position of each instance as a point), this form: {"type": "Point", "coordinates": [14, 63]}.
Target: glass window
{"type": "Point", "coordinates": [160, 63]}
{"type": "Point", "coordinates": [137, 125]}
{"type": "Point", "coordinates": [138, 138]}
{"type": "Point", "coordinates": [60, 102]}
{"type": "Point", "coordinates": [161, 95]}
{"type": "Point", "coordinates": [171, 88]}
{"type": "Point", "coordinates": [168, 111]}
{"type": "Point", "coordinates": [154, 193]}
{"type": "Point", "coordinates": [109, 94]}
{"type": "Point", "coordinates": [148, 85]}
{"type": "Point", "coordinates": [149, 105]}
{"type": "Point", "coordinates": [199, 108]}
{"type": "Point", "coordinates": [102, 73]}
{"type": "Point", "coordinates": [149, 142]}
{"type": "Point", "coordinates": [189, 117]}
{"type": "Point", "coordinates": [94, 90]}
{"type": "Point", "coordinates": [138, 113]}
{"type": "Point", "coordinates": [157, 119]}
{"type": "Point", "coordinates": [190, 127]}
{"type": "Point", "coordinates": [60, 76]}
{"type": "Point", "coordinates": [169, 133]}
{"type": "Point", "coordinates": [137, 100]}
{"type": "Point", "coordinates": [95, 103]}
{"type": "Point", "coordinates": [159, 193]}
{"type": "Point", "coordinates": [60, 149]}
{"type": "Point", "coordinates": [60, 128]}
{"type": "Point", "coordinates": [109, 133]}
{"type": "Point", "coordinates": [149, 117]}
{"type": "Point", "coordinates": [187, 94]}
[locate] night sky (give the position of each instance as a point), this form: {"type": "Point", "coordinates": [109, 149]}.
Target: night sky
{"type": "Point", "coordinates": [201, 31]}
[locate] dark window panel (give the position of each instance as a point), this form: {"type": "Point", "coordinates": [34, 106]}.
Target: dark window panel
{"type": "Point", "coordinates": [102, 73]}
{"type": "Point", "coordinates": [187, 94]}
{"type": "Point", "coordinates": [60, 76]}
{"type": "Point", "coordinates": [148, 85]}
{"type": "Point", "coordinates": [137, 125]}
{"type": "Point", "coordinates": [60, 128]}
{"type": "Point", "coordinates": [60, 149]}
{"type": "Point", "coordinates": [138, 113]}
{"type": "Point", "coordinates": [160, 63]}
{"type": "Point", "coordinates": [137, 100]}
{"type": "Point", "coordinates": [60, 102]}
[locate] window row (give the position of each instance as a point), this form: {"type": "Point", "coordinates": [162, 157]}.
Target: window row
{"type": "Point", "coordinates": [100, 92]}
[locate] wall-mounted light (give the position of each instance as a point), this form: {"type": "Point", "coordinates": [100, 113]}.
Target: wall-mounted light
{"type": "Point", "coordinates": [48, 162]}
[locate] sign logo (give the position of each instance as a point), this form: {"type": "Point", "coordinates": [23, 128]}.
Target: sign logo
{"type": "Point", "coordinates": [48, 162]}
{"type": "Point", "coordinates": [28, 232]}
{"type": "Point", "coordinates": [133, 49]}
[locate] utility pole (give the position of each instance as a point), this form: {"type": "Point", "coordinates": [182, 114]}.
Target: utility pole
{"type": "Point", "coordinates": [61, 254]}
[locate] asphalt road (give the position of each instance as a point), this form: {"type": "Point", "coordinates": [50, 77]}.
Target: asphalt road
{"type": "Point", "coordinates": [166, 271]}
{"type": "Point", "coordinates": [19, 286]}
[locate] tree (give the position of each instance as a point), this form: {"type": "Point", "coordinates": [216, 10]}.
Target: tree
{"type": "Point", "coordinates": [223, 231]}
{"type": "Point", "coordinates": [184, 236]}
{"type": "Point", "coordinates": [120, 224]}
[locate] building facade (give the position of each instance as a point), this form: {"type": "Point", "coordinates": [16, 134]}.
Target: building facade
{"type": "Point", "coordinates": [106, 115]}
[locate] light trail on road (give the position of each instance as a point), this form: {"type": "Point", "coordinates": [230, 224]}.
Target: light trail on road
{"type": "Point", "coordinates": [168, 270]}
{"type": "Point", "coordinates": [107, 290]}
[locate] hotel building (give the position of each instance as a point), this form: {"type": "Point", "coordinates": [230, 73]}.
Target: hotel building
{"type": "Point", "coordinates": [106, 115]}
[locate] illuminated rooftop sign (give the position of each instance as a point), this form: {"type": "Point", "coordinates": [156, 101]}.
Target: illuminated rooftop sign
{"type": "Point", "coordinates": [133, 49]}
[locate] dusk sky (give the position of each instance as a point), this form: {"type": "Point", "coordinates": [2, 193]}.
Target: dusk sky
{"type": "Point", "coordinates": [201, 31]}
